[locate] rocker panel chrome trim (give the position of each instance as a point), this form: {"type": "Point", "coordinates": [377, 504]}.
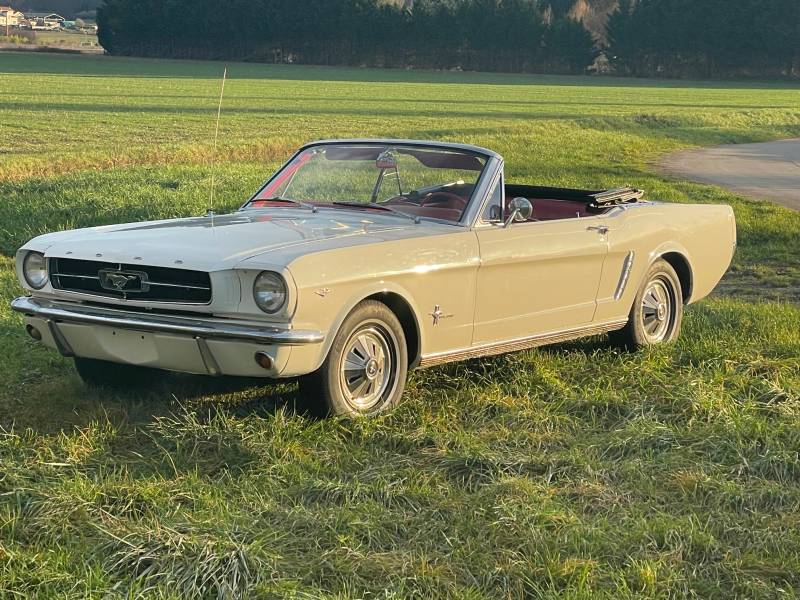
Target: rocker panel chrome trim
{"type": "Point", "coordinates": [525, 343]}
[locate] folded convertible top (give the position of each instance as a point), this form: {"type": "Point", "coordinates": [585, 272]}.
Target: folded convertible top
{"type": "Point", "coordinates": [621, 195]}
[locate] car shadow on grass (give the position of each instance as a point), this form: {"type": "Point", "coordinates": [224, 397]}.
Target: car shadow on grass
{"type": "Point", "coordinates": [180, 426]}
{"type": "Point", "coordinates": [64, 404]}
{"type": "Point", "coordinates": [496, 370]}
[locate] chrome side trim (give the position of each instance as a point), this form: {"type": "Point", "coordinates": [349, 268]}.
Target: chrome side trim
{"type": "Point", "coordinates": [524, 343]}
{"type": "Point", "coordinates": [627, 265]}
{"type": "Point", "coordinates": [208, 328]}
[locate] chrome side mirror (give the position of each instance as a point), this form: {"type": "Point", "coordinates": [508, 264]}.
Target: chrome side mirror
{"type": "Point", "coordinates": [520, 209]}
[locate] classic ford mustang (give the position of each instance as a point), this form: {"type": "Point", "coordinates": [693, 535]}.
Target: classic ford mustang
{"type": "Point", "coordinates": [361, 259]}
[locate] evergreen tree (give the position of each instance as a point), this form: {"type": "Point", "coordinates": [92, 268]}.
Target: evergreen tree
{"type": "Point", "coordinates": [568, 46]}
{"type": "Point", "coordinates": [621, 36]}
{"type": "Point", "coordinates": [675, 38]}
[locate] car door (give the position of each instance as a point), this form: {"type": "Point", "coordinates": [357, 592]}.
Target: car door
{"type": "Point", "coordinates": [537, 277]}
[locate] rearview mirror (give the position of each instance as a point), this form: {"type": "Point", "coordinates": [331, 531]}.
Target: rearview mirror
{"type": "Point", "coordinates": [519, 209]}
{"type": "Point", "coordinates": [386, 160]}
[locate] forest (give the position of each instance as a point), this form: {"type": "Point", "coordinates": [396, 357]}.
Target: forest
{"type": "Point", "coordinates": [706, 38]}
{"type": "Point", "coordinates": [675, 38]}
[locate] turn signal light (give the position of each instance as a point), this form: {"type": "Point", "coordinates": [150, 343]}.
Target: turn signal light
{"type": "Point", "coordinates": [264, 360]}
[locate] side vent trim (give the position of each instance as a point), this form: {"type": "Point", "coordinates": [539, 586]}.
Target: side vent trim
{"type": "Point", "coordinates": [627, 265]}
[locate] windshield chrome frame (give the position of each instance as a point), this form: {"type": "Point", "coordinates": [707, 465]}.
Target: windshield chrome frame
{"type": "Point", "coordinates": [494, 162]}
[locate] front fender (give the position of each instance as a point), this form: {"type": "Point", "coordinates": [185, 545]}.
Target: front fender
{"type": "Point", "coordinates": [344, 307]}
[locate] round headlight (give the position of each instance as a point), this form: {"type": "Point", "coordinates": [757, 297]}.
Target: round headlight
{"type": "Point", "coordinates": [269, 292]}
{"type": "Point", "coordinates": [34, 268]}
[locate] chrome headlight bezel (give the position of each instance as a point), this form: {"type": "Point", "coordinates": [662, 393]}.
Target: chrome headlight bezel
{"type": "Point", "coordinates": [270, 292]}
{"type": "Point", "coordinates": [28, 272]}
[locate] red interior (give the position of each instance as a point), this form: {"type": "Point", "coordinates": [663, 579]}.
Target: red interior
{"type": "Point", "coordinates": [265, 203]}
{"type": "Point", "coordinates": [548, 209]}
{"type": "Point", "coordinates": [434, 212]}
{"type": "Point", "coordinates": [451, 208]}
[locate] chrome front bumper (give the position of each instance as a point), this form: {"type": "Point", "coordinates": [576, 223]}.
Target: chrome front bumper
{"type": "Point", "coordinates": [204, 328]}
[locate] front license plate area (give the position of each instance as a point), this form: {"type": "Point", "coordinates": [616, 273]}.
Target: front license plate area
{"type": "Point", "coordinates": [135, 347]}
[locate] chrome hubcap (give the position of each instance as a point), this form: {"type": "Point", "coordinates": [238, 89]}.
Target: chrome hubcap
{"type": "Point", "coordinates": [367, 367]}
{"type": "Point", "coordinates": [656, 310]}
{"type": "Point", "coordinates": [661, 312]}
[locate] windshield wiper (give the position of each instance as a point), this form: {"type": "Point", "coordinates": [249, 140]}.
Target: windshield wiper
{"type": "Point", "coordinates": [379, 207]}
{"type": "Point", "coordinates": [290, 201]}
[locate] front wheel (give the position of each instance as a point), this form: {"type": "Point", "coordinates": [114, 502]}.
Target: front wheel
{"type": "Point", "coordinates": [365, 370]}
{"type": "Point", "coordinates": [657, 311]}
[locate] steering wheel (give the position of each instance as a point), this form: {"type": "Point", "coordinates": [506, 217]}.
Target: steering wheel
{"type": "Point", "coordinates": [444, 198]}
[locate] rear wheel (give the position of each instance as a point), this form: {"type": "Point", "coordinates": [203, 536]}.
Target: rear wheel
{"type": "Point", "coordinates": [365, 370]}
{"type": "Point", "coordinates": [657, 311]}
{"type": "Point", "coordinates": [107, 374]}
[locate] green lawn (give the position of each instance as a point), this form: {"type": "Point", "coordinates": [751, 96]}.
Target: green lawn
{"type": "Point", "coordinates": [65, 38]}
{"type": "Point", "coordinates": [571, 471]}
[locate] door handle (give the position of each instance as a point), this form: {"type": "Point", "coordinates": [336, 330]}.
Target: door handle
{"type": "Point", "coordinates": [601, 229]}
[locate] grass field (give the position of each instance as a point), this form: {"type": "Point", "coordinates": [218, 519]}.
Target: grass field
{"type": "Point", "coordinates": [572, 471]}
{"type": "Point", "coordinates": [66, 38]}
{"type": "Point", "coordinates": [69, 39]}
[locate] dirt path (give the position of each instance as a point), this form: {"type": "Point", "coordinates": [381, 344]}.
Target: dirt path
{"type": "Point", "coordinates": [769, 171]}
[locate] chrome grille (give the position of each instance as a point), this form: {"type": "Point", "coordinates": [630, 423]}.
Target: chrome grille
{"type": "Point", "coordinates": [130, 282]}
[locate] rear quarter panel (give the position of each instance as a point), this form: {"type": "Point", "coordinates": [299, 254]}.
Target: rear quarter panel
{"type": "Point", "coordinates": [704, 234]}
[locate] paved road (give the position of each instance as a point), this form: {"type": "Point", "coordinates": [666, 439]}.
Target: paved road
{"type": "Point", "coordinates": [769, 171]}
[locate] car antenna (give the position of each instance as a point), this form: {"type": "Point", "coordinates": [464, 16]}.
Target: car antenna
{"type": "Point", "coordinates": [210, 211]}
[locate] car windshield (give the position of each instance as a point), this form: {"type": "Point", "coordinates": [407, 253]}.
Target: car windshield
{"type": "Point", "coordinates": [421, 182]}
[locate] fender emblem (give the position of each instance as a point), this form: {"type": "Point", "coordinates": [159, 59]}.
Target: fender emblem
{"type": "Point", "coordinates": [323, 292]}
{"type": "Point", "coordinates": [438, 313]}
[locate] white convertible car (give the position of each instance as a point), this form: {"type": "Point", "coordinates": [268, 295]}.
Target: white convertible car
{"type": "Point", "coordinates": [360, 259]}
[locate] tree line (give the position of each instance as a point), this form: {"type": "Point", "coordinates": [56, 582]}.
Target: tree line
{"type": "Point", "coordinates": [706, 38]}
{"type": "Point", "coordinates": [671, 38]}
{"type": "Point", "coordinates": [490, 35]}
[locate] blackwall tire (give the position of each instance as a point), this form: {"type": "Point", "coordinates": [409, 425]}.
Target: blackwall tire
{"type": "Point", "coordinates": [657, 311]}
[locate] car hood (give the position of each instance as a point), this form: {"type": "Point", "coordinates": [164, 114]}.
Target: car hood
{"type": "Point", "coordinates": [220, 242]}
